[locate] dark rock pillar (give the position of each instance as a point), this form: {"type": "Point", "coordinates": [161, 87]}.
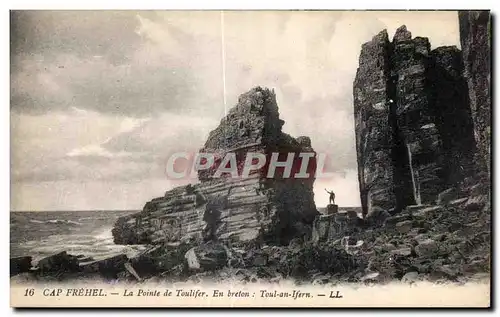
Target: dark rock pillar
{"type": "Point", "coordinates": [415, 117]}
{"type": "Point", "coordinates": [372, 126]}
{"type": "Point", "coordinates": [412, 121]}
{"type": "Point", "coordinates": [475, 38]}
{"type": "Point", "coordinates": [453, 116]}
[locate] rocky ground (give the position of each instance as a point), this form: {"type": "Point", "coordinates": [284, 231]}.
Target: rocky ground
{"type": "Point", "coordinates": [449, 241]}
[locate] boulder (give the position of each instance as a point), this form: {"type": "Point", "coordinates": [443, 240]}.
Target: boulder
{"type": "Point", "coordinates": [107, 267]}
{"type": "Point", "coordinates": [24, 278]}
{"type": "Point", "coordinates": [130, 269]}
{"type": "Point", "coordinates": [426, 248]}
{"type": "Point", "coordinates": [401, 252]}
{"type": "Point", "coordinates": [476, 202]}
{"type": "Point", "coordinates": [378, 217]}
{"type": "Point", "coordinates": [476, 266]}
{"type": "Point", "coordinates": [480, 188]}
{"type": "Point", "coordinates": [260, 260]}
{"type": "Point", "coordinates": [332, 209]}
{"type": "Point", "coordinates": [447, 196]}
{"type": "Point", "coordinates": [398, 218]}
{"type": "Point", "coordinates": [448, 271]}
{"type": "Point", "coordinates": [192, 260]}
{"type": "Point", "coordinates": [352, 214]}
{"type": "Point", "coordinates": [20, 264]}
{"type": "Point", "coordinates": [84, 258]}
{"type": "Point", "coordinates": [388, 247]}
{"type": "Point", "coordinates": [321, 279]}
{"type": "Point", "coordinates": [372, 277]}
{"type": "Point", "coordinates": [354, 249]}
{"type": "Point", "coordinates": [235, 258]}
{"type": "Point", "coordinates": [404, 226]}
{"type": "Point", "coordinates": [321, 228]}
{"type": "Point", "coordinates": [413, 208]}
{"type": "Point", "coordinates": [458, 201]}
{"type": "Point", "coordinates": [425, 212]}
{"type": "Point", "coordinates": [410, 277]}
{"type": "Point", "coordinates": [58, 263]}
{"type": "Point", "coordinates": [146, 265]}
{"type": "Point", "coordinates": [206, 257]}
{"type": "Point", "coordinates": [159, 259]}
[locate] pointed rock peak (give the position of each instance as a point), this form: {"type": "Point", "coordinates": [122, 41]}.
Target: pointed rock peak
{"type": "Point", "coordinates": [402, 34]}
{"type": "Point", "coordinates": [381, 36]}
{"type": "Point", "coordinates": [257, 95]}
{"type": "Point", "coordinates": [452, 49]}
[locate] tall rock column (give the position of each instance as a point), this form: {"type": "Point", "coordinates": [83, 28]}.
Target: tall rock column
{"type": "Point", "coordinates": [372, 126]}
{"type": "Point", "coordinates": [475, 38]}
{"type": "Point", "coordinates": [414, 135]}
{"type": "Point", "coordinates": [452, 111]}
{"type": "Point", "coordinates": [414, 115]}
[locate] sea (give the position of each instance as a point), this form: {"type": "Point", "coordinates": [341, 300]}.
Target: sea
{"type": "Point", "coordinates": [42, 233]}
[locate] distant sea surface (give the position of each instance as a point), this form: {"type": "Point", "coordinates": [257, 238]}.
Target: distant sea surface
{"type": "Point", "coordinates": [88, 233]}
{"type": "Point", "coordinates": [40, 234]}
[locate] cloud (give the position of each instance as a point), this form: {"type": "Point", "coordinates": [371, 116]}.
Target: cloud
{"type": "Point", "coordinates": [65, 145]}
{"type": "Point", "coordinates": [83, 145]}
{"type": "Point", "coordinates": [140, 90]}
{"type": "Point", "coordinates": [80, 33]}
{"type": "Point", "coordinates": [158, 136]}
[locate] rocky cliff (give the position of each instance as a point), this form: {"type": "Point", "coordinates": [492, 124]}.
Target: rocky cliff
{"type": "Point", "coordinates": [272, 208]}
{"type": "Point", "coordinates": [414, 134]}
{"type": "Point", "coordinates": [475, 38]}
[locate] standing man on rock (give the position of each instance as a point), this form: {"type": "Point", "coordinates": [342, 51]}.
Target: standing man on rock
{"type": "Point", "coordinates": [332, 196]}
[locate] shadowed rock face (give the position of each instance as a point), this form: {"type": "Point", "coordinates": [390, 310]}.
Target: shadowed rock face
{"type": "Point", "coordinates": [236, 209]}
{"type": "Point", "coordinates": [374, 136]}
{"type": "Point", "coordinates": [475, 38]}
{"type": "Point", "coordinates": [452, 111]}
{"type": "Point", "coordinates": [415, 119]}
{"type": "Point", "coordinates": [413, 123]}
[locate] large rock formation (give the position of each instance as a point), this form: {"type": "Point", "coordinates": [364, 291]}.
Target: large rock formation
{"type": "Point", "coordinates": [413, 127]}
{"type": "Point", "coordinates": [453, 116]}
{"type": "Point", "coordinates": [475, 38]}
{"type": "Point", "coordinates": [415, 120]}
{"type": "Point", "coordinates": [260, 206]}
{"type": "Point", "coordinates": [374, 136]}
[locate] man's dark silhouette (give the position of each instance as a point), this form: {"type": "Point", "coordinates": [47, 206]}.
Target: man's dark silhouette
{"type": "Point", "coordinates": [332, 197]}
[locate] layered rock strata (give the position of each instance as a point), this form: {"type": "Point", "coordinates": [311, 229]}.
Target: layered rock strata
{"type": "Point", "coordinates": [223, 207]}
{"type": "Point", "coordinates": [412, 122]}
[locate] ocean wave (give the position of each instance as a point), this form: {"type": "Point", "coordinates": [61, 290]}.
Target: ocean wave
{"type": "Point", "coordinates": [57, 221]}
{"type": "Point", "coordinates": [98, 244]}
{"type": "Point", "coordinates": [94, 218]}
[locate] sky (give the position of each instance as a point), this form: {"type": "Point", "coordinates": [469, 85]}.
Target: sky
{"type": "Point", "coordinates": [99, 99]}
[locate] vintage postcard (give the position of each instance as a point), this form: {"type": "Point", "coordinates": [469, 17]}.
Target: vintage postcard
{"type": "Point", "coordinates": [250, 158]}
